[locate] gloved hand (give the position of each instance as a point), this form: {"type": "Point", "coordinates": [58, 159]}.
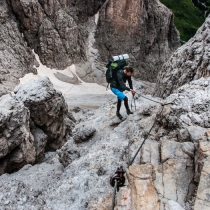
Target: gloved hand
{"type": "Point", "coordinates": [133, 92]}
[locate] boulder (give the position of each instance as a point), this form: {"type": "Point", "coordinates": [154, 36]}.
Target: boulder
{"type": "Point", "coordinates": [48, 110]}
{"type": "Point", "coordinates": [16, 141]}
{"type": "Point", "coordinates": [83, 133]}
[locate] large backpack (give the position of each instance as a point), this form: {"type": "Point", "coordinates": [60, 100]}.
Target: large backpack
{"type": "Point", "coordinates": [114, 65]}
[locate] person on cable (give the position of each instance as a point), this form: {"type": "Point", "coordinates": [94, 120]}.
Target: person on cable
{"type": "Point", "coordinates": [118, 86]}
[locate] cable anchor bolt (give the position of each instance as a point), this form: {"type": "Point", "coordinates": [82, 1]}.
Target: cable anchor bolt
{"type": "Point", "coordinates": [119, 176]}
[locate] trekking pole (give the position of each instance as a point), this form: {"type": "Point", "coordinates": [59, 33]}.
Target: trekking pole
{"type": "Point", "coordinates": [114, 193]}
{"type": "Point", "coordinates": [131, 103]}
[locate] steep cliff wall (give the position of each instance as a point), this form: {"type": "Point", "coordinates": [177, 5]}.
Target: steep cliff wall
{"type": "Point", "coordinates": [142, 28]}
{"type": "Point", "coordinates": [16, 58]}
{"type": "Point", "coordinates": [65, 32]}
{"type": "Point", "coordinates": [189, 62]}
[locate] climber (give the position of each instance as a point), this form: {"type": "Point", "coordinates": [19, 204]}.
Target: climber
{"type": "Point", "coordinates": [118, 86]}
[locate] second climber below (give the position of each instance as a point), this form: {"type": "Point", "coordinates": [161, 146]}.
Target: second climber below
{"type": "Point", "coordinates": [118, 86]}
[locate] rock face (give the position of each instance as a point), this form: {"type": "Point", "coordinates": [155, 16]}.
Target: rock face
{"type": "Point", "coordinates": [16, 58]}
{"type": "Point", "coordinates": [40, 141]}
{"type": "Point", "coordinates": [36, 119]}
{"type": "Point", "coordinates": [202, 198]}
{"type": "Point", "coordinates": [65, 32]}
{"type": "Point", "coordinates": [56, 30]}
{"type": "Point", "coordinates": [140, 177]}
{"type": "Point", "coordinates": [170, 172]}
{"type": "Point", "coordinates": [178, 151]}
{"type": "Point", "coordinates": [48, 110]}
{"type": "Point", "coordinates": [143, 29]}
{"type": "Point", "coordinates": [16, 141]}
{"type": "Point", "coordinates": [189, 62]}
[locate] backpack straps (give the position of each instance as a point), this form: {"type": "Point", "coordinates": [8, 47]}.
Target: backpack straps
{"type": "Point", "coordinates": [107, 86]}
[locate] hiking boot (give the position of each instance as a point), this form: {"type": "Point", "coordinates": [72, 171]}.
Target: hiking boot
{"type": "Point", "coordinates": [129, 111]}
{"type": "Point", "coordinates": [119, 115]}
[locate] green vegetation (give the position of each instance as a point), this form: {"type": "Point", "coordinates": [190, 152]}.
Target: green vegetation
{"type": "Point", "coordinates": [187, 17]}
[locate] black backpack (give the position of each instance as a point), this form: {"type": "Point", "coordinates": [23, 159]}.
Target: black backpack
{"type": "Point", "coordinates": [113, 67]}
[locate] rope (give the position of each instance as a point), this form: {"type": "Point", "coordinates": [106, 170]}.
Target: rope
{"type": "Point", "coordinates": [150, 99]}
{"type": "Point", "coordinates": [131, 162]}
{"type": "Point", "coordinates": [114, 193]}
{"type": "Point", "coordinates": [105, 3]}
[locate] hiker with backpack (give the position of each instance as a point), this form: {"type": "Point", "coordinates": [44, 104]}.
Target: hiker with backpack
{"type": "Point", "coordinates": [117, 73]}
{"type": "Point", "coordinates": [118, 86]}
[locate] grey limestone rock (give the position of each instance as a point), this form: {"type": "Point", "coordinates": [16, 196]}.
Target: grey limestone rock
{"type": "Point", "coordinates": [40, 141]}
{"type": "Point", "coordinates": [69, 32]}
{"type": "Point", "coordinates": [48, 110]}
{"type": "Point", "coordinates": [202, 198]}
{"type": "Point", "coordinates": [83, 133]}
{"type": "Point", "coordinates": [176, 150]}
{"type": "Point", "coordinates": [68, 153]}
{"type": "Point", "coordinates": [56, 30]}
{"type": "Point", "coordinates": [78, 174]}
{"type": "Point", "coordinates": [16, 57]}
{"type": "Point", "coordinates": [16, 141]}
{"type": "Point", "coordinates": [189, 102]}
{"type": "Point", "coordinates": [29, 183]}
{"type": "Point", "coordinates": [150, 153]}
{"type": "Point", "coordinates": [190, 62]}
